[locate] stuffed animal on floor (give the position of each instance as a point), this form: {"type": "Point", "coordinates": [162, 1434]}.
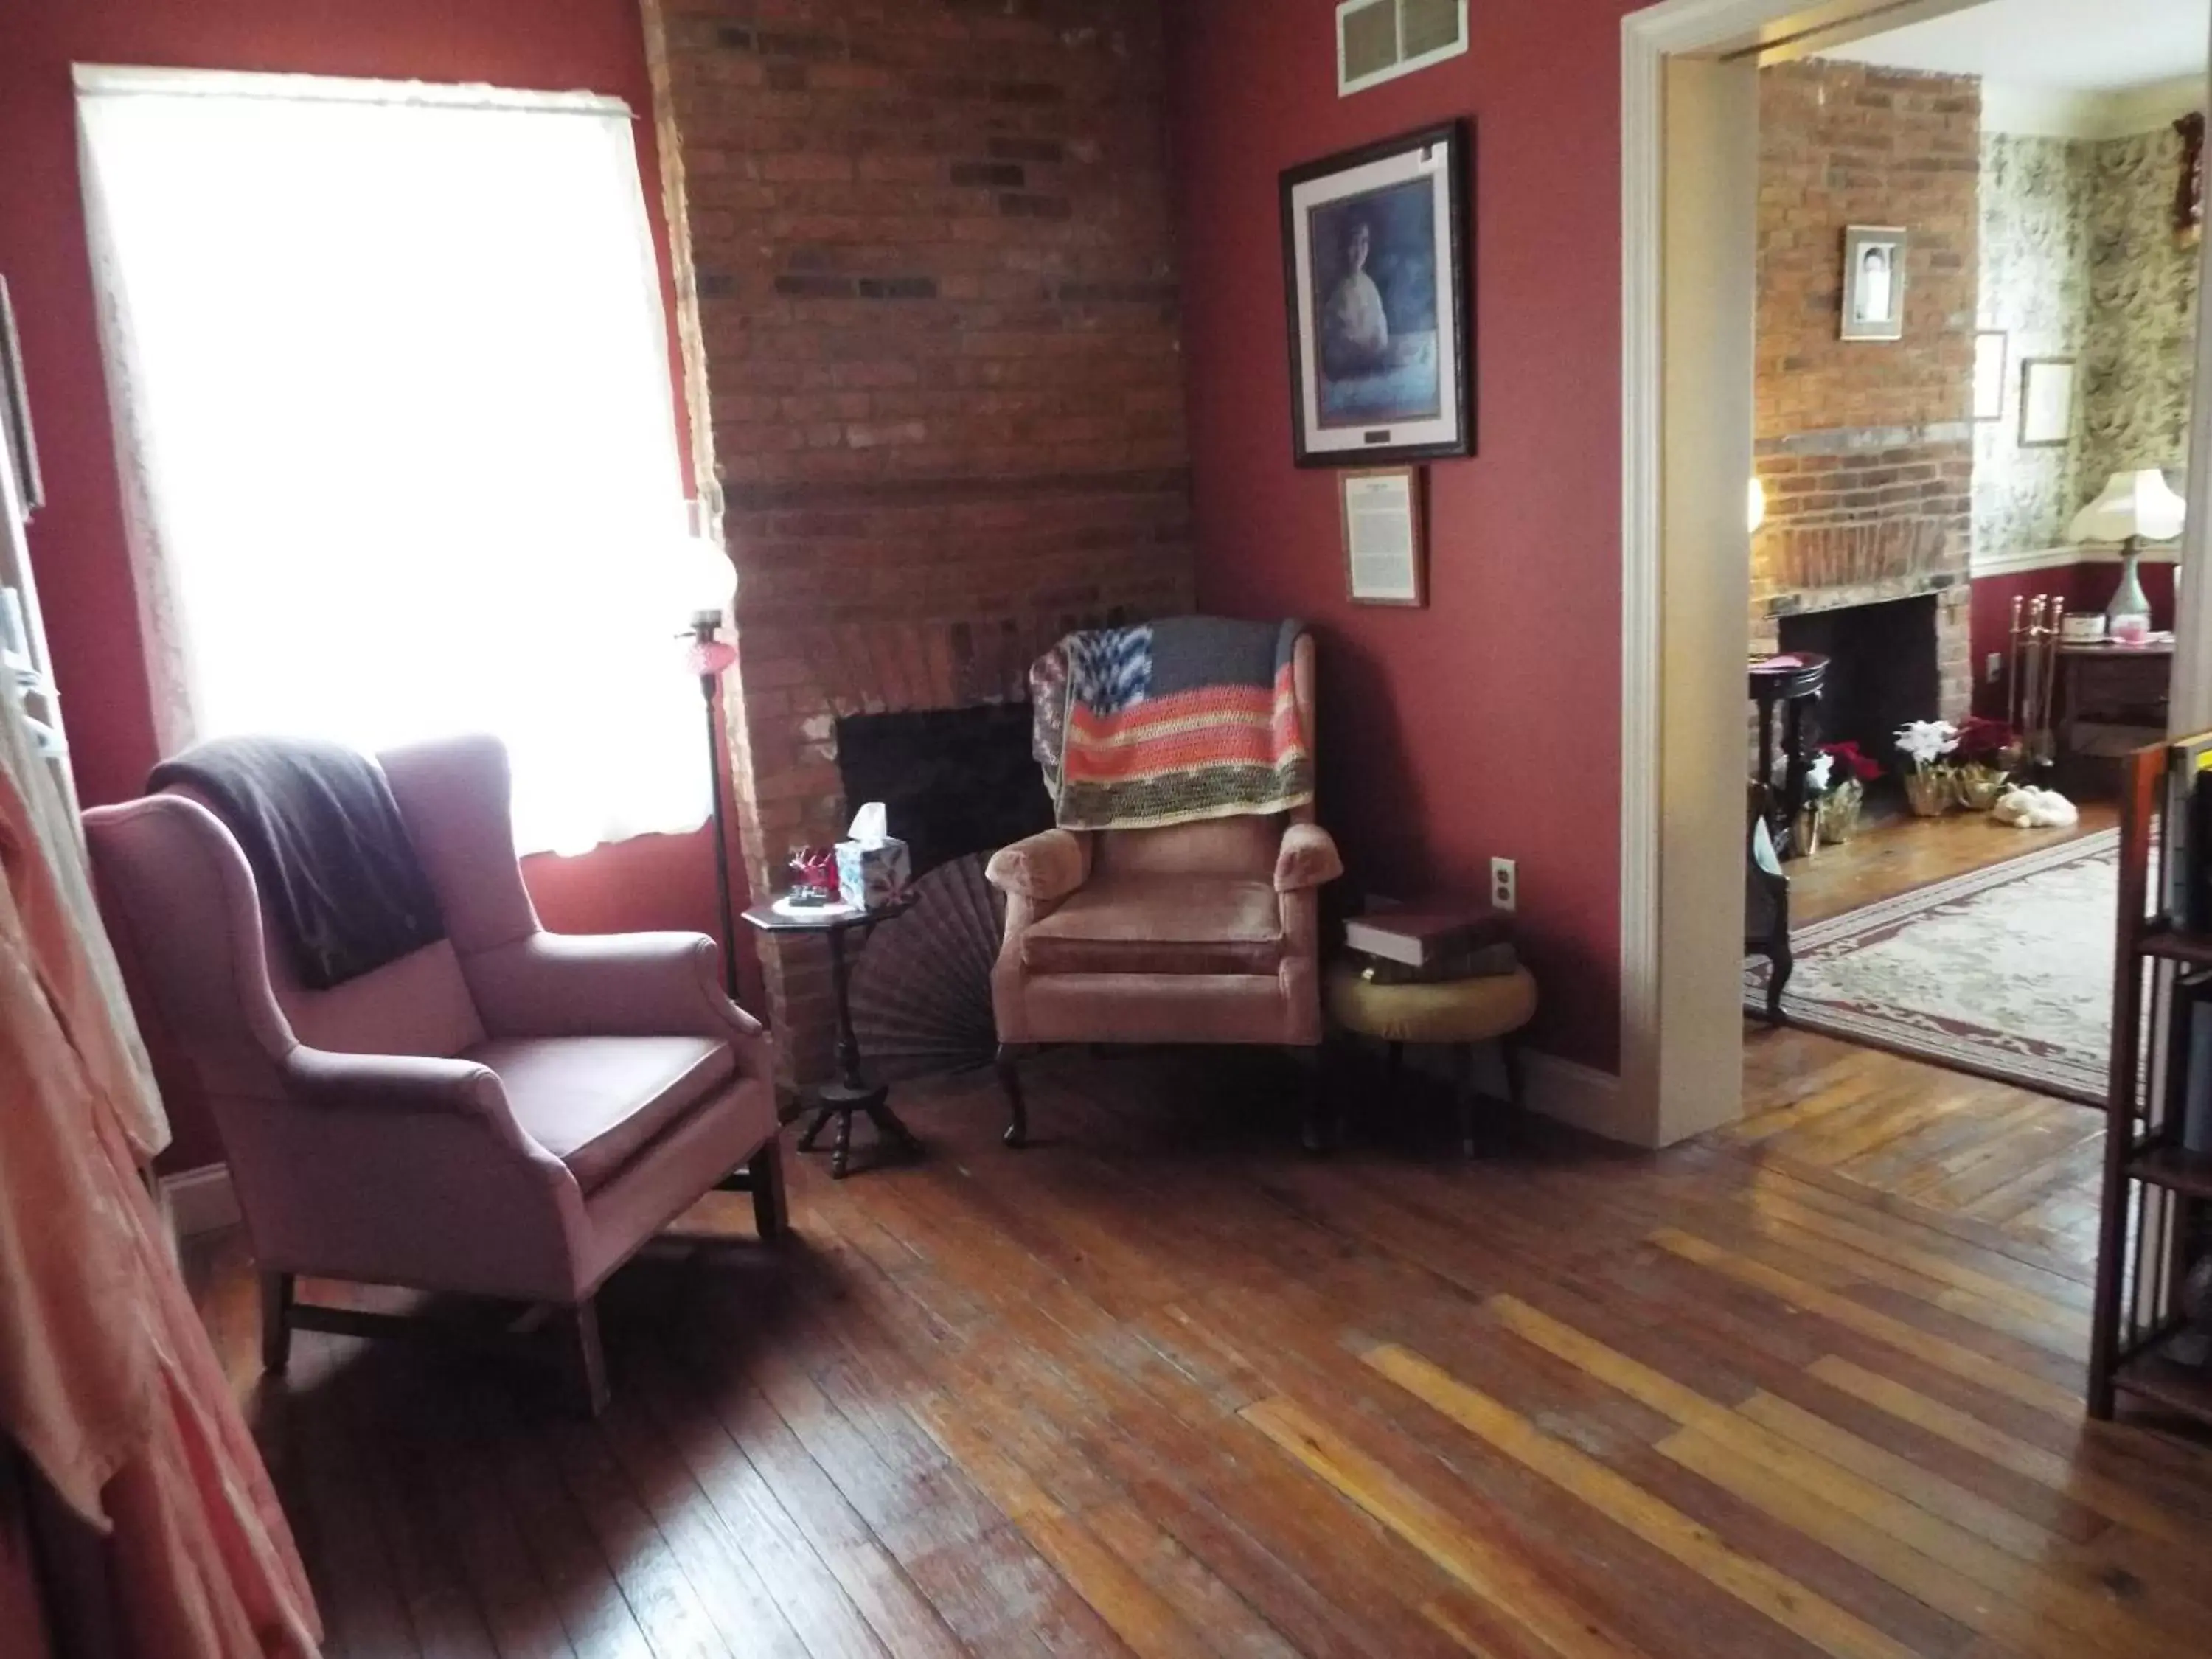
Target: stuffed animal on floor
{"type": "Point", "coordinates": [2030, 808]}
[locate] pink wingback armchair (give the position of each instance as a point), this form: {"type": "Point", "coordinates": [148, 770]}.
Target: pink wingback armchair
{"type": "Point", "coordinates": [507, 1113]}
{"type": "Point", "coordinates": [1199, 932]}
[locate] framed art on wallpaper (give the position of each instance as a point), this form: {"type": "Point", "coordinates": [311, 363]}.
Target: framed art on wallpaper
{"type": "Point", "coordinates": [1992, 347]}
{"type": "Point", "coordinates": [2046, 402]}
{"type": "Point", "coordinates": [1375, 271]}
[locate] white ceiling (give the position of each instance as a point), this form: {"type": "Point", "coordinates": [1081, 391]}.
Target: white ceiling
{"type": "Point", "coordinates": [2063, 45]}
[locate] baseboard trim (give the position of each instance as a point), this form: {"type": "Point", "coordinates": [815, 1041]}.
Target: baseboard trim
{"type": "Point", "coordinates": [1582, 1096]}
{"type": "Point", "coordinates": [200, 1200]}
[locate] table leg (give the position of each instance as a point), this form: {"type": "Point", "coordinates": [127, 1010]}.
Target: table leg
{"type": "Point", "coordinates": [814, 1129]}
{"type": "Point", "coordinates": [890, 1132]}
{"type": "Point", "coordinates": [841, 1159]}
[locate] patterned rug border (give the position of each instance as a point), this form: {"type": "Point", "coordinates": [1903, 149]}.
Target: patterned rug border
{"type": "Point", "coordinates": [2028, 1066]}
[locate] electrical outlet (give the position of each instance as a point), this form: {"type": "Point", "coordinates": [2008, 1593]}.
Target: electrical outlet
{"type": "Point", "coordinates": [1504, 884]}
{"type": "Point", "coordinates": [1993, 670]}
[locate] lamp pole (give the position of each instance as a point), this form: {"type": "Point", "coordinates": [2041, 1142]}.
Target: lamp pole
{"type": "Point", "coordinates": [710, 656]}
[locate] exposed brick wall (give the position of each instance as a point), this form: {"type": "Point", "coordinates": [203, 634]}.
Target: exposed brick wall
{"type": "Point", "coordinates": [933, 353]}
{"type": "Point", "coordinates": [1865, 447]}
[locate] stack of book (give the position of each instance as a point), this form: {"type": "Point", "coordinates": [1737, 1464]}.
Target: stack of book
{"type": "Point", "coordinates": [1414, 947]}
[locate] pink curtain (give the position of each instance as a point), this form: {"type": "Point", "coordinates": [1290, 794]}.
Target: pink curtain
{"type": "Point", "coordinates": [137, 1513]}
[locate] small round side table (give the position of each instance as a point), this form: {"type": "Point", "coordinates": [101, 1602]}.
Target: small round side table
{"type": "Point", "coordinates": [1461, 1013]}
{"type": "Point", "coordinates": [851, 1093]}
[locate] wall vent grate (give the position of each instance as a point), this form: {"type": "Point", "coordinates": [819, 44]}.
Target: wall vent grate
{"type": "Point", "coordinates": [1379, 40]}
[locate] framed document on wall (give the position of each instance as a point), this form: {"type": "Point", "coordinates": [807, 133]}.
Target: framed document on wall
{"type": "Point", "coordinates": [1375, 268]}
{"type": "Point", "coordinates": [1385, 550]}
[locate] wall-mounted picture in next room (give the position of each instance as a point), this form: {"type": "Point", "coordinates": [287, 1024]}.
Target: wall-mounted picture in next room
{"type": "Point", "coordinates": [1374, 246]}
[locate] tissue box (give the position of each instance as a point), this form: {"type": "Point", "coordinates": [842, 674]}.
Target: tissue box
{"type": "Point", "coordinates": [871, 874]}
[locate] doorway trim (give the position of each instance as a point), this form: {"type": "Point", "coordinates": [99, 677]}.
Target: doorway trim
{"type": "Point", "coordinates": [1686, 548]}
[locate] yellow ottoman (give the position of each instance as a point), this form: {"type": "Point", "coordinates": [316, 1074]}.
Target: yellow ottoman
{"type": "Point", "coordinates": [1460, 1012]}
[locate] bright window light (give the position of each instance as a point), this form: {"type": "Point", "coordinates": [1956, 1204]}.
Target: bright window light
{"type": "Point", "coordinates": [390, 377]}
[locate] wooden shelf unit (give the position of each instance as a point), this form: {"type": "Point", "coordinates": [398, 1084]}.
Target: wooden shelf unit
{"type": "Point", "coordinates": [2152, 1186]}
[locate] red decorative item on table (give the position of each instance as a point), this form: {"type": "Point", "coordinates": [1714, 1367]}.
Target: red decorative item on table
{"type": "Point", "coordinates": [813, 875]}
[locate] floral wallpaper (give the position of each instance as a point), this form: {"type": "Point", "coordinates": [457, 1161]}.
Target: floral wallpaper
{"type": "Point", "coordinates": [2136, 373]}
{"type": "Point", "coordinates": [2080, 260]}
{"type": "Point", "coordinates": [2034, 286]}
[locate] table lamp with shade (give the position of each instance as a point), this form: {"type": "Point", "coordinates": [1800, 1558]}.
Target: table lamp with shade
{"type": "Point", "coordinates": [2134, 507]}
{"type": "Point", "coordinates": [710, 579]}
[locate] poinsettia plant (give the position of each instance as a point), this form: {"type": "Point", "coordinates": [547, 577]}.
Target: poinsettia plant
{"type": "Point", "coordinates": [1983, 740]}
{"type": "Point", "coordinates": [1925, 742]}
{"type": "Point", "coordinates": [1853, 761]}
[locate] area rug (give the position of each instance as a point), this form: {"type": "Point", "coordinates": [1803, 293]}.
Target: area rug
{"type": "Point", "coordinates": [2006, 971]}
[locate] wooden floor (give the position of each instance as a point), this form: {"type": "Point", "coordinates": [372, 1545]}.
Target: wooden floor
{"type": "Point", "coordinates": [1906, 852]}
{"type": "Point", "coordinates": [1162, 1385]}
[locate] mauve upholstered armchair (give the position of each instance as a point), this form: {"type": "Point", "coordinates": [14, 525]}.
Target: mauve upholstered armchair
{"type": "Point", "coordinates": [1199, 932]}
{"type": "Point", "coordinates": [507, 1113]}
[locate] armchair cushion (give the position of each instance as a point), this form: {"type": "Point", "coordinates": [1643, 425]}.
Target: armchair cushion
{"type": "Point", "coordinates": [1142, 923]}
{"type": "Point", "coordinates": [1043, 868]}
{"type": "Point", "coordinates": [595, 1103]}
{"type": "Point", "coordinates": [1307, 858]}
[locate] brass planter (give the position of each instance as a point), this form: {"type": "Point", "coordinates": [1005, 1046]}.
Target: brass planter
{"type": "Point", "coordinates": [1836, 814]}
{"type": "Point", "coordinates": [1932, 792]}
{"type": "Point", "coordinates": [1978, 787]}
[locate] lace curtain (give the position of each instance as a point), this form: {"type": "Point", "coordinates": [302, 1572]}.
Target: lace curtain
{"type": "Point", "coordinates": [391, 379]}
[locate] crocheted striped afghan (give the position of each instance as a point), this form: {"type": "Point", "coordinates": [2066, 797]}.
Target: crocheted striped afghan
{"type": "Point", "coordinates": [1170, 722]}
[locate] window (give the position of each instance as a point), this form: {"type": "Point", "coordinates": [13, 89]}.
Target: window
{"type": "Point", "coordinates": [391, 379]}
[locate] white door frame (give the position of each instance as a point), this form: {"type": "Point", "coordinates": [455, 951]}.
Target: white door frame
{"type": "Point", "coordinates": [1688, 216]}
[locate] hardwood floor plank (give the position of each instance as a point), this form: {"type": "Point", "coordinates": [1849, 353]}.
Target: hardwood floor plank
{"type": "Point", "coordinates": [1968, 1362]}
{"type": "Point", "coordinates": [1749, 1396]}
{"type": "Point", "coordinates": [1826, 1627]}
{"type": "Point", "coordinates": [1509, 1592]}
{"type": "Point", "coordinates": [2117, 1499]}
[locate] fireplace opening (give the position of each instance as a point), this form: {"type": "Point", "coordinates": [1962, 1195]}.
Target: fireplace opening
{"type": "Point", "coordinates": [1883, 670]}
{"type": "Point", "coordinates": [953, 781]}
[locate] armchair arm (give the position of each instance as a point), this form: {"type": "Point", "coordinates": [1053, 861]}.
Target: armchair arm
{"type": "Point", "coordinates": [1044, 868]}
{"type": "Point", "coordinates": [1308, 859]}
{"type": "Point", "coordinates": [606, 984]}
{"type": "Point", "coordinates": [411, 1084]}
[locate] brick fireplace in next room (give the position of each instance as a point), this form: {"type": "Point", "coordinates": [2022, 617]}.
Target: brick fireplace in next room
{"type": "Point", "coordinates": [931, 327]}
{"type": "Point", "coordinates": [1864, 448]}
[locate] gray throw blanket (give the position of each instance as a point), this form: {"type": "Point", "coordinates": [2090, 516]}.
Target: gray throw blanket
{"type": "Point", "coordinates": [327, 846]}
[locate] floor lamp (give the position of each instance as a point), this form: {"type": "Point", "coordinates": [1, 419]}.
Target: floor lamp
{"type": "Point", "coordinates": [709, 657]}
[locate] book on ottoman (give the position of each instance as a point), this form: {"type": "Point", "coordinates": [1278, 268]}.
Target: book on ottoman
{"type": "Point", "coordinates": [1411, 946]}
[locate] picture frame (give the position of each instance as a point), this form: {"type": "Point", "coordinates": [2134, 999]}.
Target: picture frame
{"type": "Point", "coordinates": [1992, 347]}
{"type": "Point", "coordinates": [1874, 282]}
{"type": "Point", "coordinates": [1385, 528]}
{"type": "Point", "coordinates": [2046, 402]}
{"type": "Point", "coordinates": [1375, 283]}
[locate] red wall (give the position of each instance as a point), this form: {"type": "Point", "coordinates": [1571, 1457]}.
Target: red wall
{"type": "Point", "coordinates": [1488, 723]}
{"type": "Point", "coordinates": [2087, 586]}
{"type": "Point", "coordinates": [76, 541]}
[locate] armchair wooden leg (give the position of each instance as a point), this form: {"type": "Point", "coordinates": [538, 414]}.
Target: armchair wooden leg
{"type": "Point", "coordinates": [276, 1322]}
{"type": "Point", "coordinates": [1517, 1077]}
{"type": "Point", "coordinates": [1463, 1086]}
{"type": "Point", "coordinates": [589, 1358]}
{"type": "Point", "coordinates": [1018, 1110]}
{"type": "Point", "coordinates": [764, 1179]}
{"type": "Point", "coordinates": [1313, 1106]}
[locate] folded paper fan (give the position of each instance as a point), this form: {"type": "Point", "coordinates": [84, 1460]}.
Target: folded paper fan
{"type": "Point", "coordinates": [921, 990]}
